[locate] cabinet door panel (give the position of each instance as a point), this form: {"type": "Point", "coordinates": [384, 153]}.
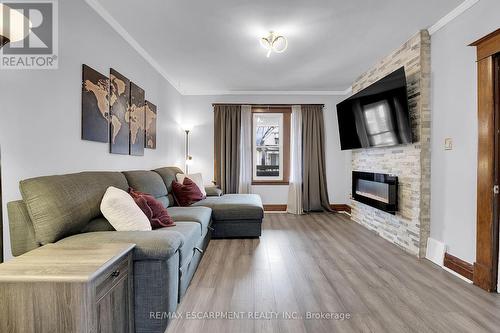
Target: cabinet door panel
{"type": "Point", "coordinates": [113, 309]}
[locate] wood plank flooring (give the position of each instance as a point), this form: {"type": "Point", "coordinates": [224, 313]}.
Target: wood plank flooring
{"type": "Point", "coordinates": [324, 263]}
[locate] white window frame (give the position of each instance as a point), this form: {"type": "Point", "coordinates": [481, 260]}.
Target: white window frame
{"type": "Point", "coordinates": [254, 146]}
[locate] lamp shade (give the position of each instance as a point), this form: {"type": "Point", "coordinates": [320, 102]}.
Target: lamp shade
{"type": "Point", "coordinates": [12, 25]}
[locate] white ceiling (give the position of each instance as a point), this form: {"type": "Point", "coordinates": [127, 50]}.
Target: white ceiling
{"type": "Point", "coordinates": [212, 46]}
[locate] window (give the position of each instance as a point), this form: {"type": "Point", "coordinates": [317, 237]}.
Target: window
{"type": "Point", "coordinates": [271, 145]}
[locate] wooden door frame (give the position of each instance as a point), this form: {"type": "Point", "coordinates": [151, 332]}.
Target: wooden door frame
{"type": "Point", "coordinates": [486, 265]}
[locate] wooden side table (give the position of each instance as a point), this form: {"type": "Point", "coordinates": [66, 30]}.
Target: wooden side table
{"type": "Point", "coordinates": [62, 288]}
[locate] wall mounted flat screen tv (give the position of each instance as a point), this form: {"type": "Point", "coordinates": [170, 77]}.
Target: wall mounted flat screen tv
{"type": "Point", "coordinates": [377, 116]}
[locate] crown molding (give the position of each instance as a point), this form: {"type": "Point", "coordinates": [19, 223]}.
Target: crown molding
{"type": "Point", "coordinates": [268, 92]}
{"type": "Point", "coordinates": [459, 10]}
{"type": "Point", "coordinates": [108, 18]}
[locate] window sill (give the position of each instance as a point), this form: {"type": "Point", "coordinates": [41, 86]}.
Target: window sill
{"type": "Point", "coordinates": [270, 182]}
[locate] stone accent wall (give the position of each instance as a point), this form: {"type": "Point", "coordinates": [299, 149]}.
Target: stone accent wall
{"type": "Point", "coordinates": [410, 227]}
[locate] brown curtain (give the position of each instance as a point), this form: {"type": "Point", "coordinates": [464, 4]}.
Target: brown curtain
{"type": "Point", "coordinates": [227, 121]}
{"type": "Point", "coordinates": [314, 192]}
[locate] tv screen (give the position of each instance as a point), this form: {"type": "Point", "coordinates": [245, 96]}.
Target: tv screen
{"type": "Point", "coordinates": [377, 116]}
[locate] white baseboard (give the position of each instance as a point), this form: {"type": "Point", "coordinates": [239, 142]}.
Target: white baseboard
{"type": "Point", "coordinates": [435, 251]}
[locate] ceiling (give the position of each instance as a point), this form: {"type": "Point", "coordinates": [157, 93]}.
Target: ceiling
{"type": "Point", "coordinates": [208, 47]}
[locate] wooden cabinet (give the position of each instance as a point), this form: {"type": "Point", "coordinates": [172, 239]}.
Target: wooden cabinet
{"type": "Point", "coordinates": [59, 288]}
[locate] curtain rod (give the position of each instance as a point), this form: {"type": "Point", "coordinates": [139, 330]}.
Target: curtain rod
{"type": "Point", "coordinates": [264, 105]}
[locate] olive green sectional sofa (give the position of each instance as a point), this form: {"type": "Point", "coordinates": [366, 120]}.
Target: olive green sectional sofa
{"type": "Point", "coordinates": [65, 209]}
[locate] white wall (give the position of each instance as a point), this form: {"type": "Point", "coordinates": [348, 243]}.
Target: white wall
{"type": "Point", "coordinates": [198, 112]}
{"type": "Point", "coordinates": [454, 109]}
{"type": "Point", "coordinates": [41, 110]}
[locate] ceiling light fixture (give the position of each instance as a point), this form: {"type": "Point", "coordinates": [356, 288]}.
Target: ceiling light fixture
{"type": "Point", "coordinates": [274, 43]}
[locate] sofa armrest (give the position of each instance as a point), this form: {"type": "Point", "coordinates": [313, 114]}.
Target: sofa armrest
{"type": "Point", "coordinates": [213, 191]}
{"type": "Point", "coordinates": [22, 233]}
{"type": "Point", "coordinates": [160, 244]}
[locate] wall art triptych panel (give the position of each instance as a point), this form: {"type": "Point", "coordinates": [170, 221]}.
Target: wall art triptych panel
{"type": "Point", "coordinates": [137, 120]}
{"type": "Point", "coordinates": [151, 116]}
{"type": "Point", "coordinates": [95, 105]}
{"type": "Point", "coordinates": [119, 110]}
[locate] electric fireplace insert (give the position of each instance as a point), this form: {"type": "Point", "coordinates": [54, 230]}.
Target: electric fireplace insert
{"type": "Point", "coordinates": [376, 189]}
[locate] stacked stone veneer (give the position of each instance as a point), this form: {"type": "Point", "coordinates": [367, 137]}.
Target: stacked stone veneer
{"type": "Point", "coordinates": [409, 228]}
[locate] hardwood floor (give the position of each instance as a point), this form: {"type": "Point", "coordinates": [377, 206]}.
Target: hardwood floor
{"type": "Point", "coordinates": [326, 263]}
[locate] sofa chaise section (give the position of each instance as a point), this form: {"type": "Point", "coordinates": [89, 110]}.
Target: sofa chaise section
{"type": "Point", "coordinates": [233, 215]}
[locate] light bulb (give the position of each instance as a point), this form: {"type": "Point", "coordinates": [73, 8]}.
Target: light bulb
{"type": "Point", "coordinates": [264, 42]}
{"type": "Point", "coordinates": [280, 44]}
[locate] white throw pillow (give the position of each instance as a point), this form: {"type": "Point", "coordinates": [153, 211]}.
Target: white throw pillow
{"type": "Point", "coordinates": [196, 178]}
{"type": "Point", "coordinates": [122, 212]}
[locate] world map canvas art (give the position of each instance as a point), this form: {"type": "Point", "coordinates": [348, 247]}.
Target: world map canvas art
{"type": "Point", "coordinates": [95, 105]}
{"type": "Point", "coordinates": [114, 111]}
{"type": "Point", "coordinates": [119, 99]}
{"type": "Point", "coordinates": [150, 125]}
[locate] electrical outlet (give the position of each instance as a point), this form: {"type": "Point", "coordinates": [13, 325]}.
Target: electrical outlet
{"type": "Point", "coordinates": [448, 144]}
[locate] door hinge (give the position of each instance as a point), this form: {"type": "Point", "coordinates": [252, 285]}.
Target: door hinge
{"type": "Point", "coordinates": [496, 189]}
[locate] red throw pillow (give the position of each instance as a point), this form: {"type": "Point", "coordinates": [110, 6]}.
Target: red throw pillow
{"type": "Point", "coordinates": [154, 210]}
{"type": "Point", "coordinates": [186, 193]}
